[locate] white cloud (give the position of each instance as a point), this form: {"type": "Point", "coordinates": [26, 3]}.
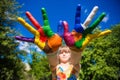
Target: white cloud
{"type": "Point", "coordinates": [106, 18]}
{"type": "Point", "coordinates": [25, 46]}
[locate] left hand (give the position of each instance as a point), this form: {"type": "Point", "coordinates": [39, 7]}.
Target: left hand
{"type": "Point", "coordinates": [82, 34]}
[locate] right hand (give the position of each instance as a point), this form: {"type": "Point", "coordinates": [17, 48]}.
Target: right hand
{"type": "Point", "coordinates": [81, 35]}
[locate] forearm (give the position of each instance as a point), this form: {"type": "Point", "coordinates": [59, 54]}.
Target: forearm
{"type": "Point", "coordinates": [52, 59]}
{"type": "Point", "coordinates": [75, 56]}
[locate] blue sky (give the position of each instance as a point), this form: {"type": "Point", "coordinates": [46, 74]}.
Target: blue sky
{"type": "Point", "coordinates": [65, 10]}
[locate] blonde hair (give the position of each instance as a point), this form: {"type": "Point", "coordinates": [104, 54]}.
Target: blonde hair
{"type": "Point", "coordinates": [65, 48]}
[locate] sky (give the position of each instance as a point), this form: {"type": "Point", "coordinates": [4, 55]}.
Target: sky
{"type": "Point", "coordinates": [65, 10]}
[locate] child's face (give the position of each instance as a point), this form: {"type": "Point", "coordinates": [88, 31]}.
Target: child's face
{"type": "Point", "coordinates": [64, 55]}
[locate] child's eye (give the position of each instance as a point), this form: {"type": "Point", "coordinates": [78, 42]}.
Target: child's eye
{"type": "Point", "coordinates": [64, 51]}
{"type": "Point", "coordinates": [61, 52]}
{"type": "Point", "coordinates": [67, 51]}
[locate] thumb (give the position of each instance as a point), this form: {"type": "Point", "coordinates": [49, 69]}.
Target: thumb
{"type": "Point", "coordinates": [69, 39]}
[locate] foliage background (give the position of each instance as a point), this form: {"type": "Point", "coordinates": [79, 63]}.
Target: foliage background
{"type": "Point", "coordinates": [11, 67]}
{"type": "Point", "coordinates": [100, 59]}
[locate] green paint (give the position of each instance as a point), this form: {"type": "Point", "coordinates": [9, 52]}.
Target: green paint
{"type": "Point", "coordinates": [79, 43]}
{"type": "Point", "coordinates": [89, 30]}
{"type": "Point", "coordinates": [97, 21]}
{"type": "Point", "coordinates": [94, 25]}
{"type": "Point", "coordinates": [46, 27]}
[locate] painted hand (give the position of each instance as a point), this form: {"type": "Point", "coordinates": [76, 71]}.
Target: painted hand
{"type": "Point", "coordinates": [82, 33]}
{"type": "Point", "coordinates": [44, 37]}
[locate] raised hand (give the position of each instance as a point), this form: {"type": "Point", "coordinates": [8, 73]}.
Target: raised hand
{"type": "Point", "coordinates": [44, 37]}
{"type": "Point", "coordinates": [37, 26]}
{"type": "Point", "coordinates": [82, 33]}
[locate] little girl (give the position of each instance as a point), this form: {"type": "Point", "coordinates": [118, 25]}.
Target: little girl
{"type": "Point", "coordinates": [64, 64]}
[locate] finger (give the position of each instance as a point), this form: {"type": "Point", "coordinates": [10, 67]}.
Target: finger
{"type": "Point", "coordinates": [89, 37]}
{"type": "Point", "coordinates": [46, 26]}
{"type": "Point", "coordinates": [98, 20]}
{"type": "Point", "coordinates": [45, 18]}
{"type": "Point", "coordinates": [103, 33]}
{"type": "Point", "coordinates": [28, 26]}
{"type": "Point", "coordinates": [21, 38]}
{"type": "Point", "coordinates": [90, 17]}
{"type": "Point", "coordinates": [94, 25]}
{"type": "Point", "coordinates": [84, 41]}
{"type": "Point", "coordinates": [78, 14]}
{"type": "Point", "coordinates": [37, 25]}
{"type": "Point", "coordinates": [33, 20]}
{"type": "Point", "coordinates": [68, 37]}
{"type": "Point", "coordinates": [60, 29]}
{"type": "Point", "coordinates": [78, 26]}
{"type": "Point", "coordinates": [65, 25]}
{"type": "Point", "coordinates": [38, 42]}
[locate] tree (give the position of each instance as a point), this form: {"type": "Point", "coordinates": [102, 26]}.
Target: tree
{"type": "Point", "coordinates": [11, 67]}
{"type": "Point", "coordinates": [40, 67]}
{"type": "Point", "coordinates": [100, 60]}
{"type": "Point", "coordinates": [8, 12]}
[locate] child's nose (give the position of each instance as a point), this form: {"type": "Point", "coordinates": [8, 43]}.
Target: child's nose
{"type": "Point", "coordinates": [64, 53]}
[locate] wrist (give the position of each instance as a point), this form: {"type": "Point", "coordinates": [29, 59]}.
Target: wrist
{"type": "Point", "coordinates": [74, 49]}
